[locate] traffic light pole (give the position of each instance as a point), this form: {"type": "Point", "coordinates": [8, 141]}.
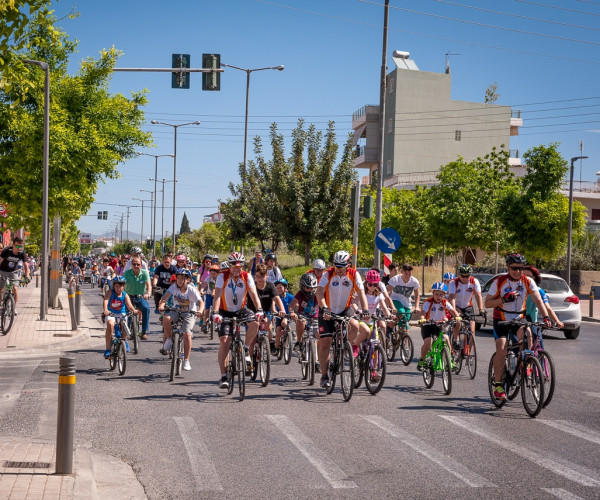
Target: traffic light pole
{"type": "Point", "coordinates": [356, 209]}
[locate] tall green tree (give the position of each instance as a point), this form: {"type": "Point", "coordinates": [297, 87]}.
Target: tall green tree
{"type": "Point", "coordinates": [91, 131]}
{"type": "Point", "coordinates": [185, 225]}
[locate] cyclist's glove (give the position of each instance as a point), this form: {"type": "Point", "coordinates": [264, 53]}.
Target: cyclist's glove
{"type": "Point", "coordinates": [217, 318]}
{"type": "Point", "coordinates": [547, 322]}
{"type": "Point", "coordinates": [458, 318]}
{"type": "Point", "coordinates": [509, 297]}
{"type": "Point", "coordinates": [365, 315]}
{"type": "Point", "coordinates": [259, 314]}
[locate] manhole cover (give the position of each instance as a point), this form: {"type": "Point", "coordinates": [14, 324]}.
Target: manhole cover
{"type": "Point", "coordinates": [26, 465]}
{"type": "Point", "coordinates": [63, 335]}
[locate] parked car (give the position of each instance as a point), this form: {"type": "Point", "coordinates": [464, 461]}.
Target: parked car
{"type": "Point", "coordinates": [564, 302]}
{"type": "Point", "coordinates": [483, 278]}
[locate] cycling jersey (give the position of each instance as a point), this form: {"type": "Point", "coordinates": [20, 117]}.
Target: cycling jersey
{"type": "Point", "coordinates": [338, 290]}
{"type": "Point", "coordinates": [501, 286]}
{"type": "Point", "coordinates": [436, 311]}
{"type": "Point", "coordinates": [235, 290]}
{"type": "Point", "coordinates": [402, 290]}
{"type": "Point", "coordinates": [307, 307]}
{"type": "Point", "coordinates": [464, 291]}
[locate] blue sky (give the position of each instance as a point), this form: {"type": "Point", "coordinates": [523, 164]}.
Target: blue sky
{"type": "Point", "coordinates": [543, 55]}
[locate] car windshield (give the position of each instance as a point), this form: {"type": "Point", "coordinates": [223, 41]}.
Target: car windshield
{"type": "Point", "coordinates": [554, 285]}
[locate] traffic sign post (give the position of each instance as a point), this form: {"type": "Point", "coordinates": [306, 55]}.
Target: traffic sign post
{"type": "Point", "coordinates": [387, 240]}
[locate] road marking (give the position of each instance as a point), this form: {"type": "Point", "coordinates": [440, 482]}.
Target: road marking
{"type": "Point", "coordinates": [536, 457]}
{"type": "Point", "coordinates": [593, 394]}
{"type": "Point", "coordinates": [336, 477]}
{"type": "Point", "coordinates": [203, 469]}
{"type": "Point", "coordinates": [460, 471]}
{"type": "Point", "coordinates": [574, 429]}
{"type": "Point", "coordinates": [560, 493]}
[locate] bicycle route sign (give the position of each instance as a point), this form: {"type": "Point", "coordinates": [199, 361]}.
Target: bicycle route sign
{"type": "Point", "coordinates": [388, 240]}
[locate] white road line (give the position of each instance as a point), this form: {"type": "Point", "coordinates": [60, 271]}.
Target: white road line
{"type": "Point", "coordinates": [456, 469]}
{"type": "Point", "coordinates": [336, 477]}
{"type": "Point", "coordinates": [562, 494]}
{"type": "Point", "coordinates": [593, 394]}
{"type": "Point", "coordinates": [203, 469]}
{"type": "Point", "coordinates": [574, 429]}
{"type": "Point", "coordinates": [538, 458]}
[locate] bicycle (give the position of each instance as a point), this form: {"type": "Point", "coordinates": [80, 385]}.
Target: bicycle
{"type": "Point", "coordinates": [308, 349]}
{"type": "Point", "coordinates": [133, 322]}
{"type": "Point", "coordinates": [467, 349]}
{"type": "Point", "coordinates": [236, 364]}
{"type": "Point", "coordinates": [546, 363]}
{"type": "Point", "coordinates": [371, 358]}
{"type": "Point", "coordinates": [118, 348]}
{"type": "Point", "coordinates": [522, 371]}
{"type": "Point", "coordinates": [438, 360]}
{"type": "Point", "coordinates": [176, 352]}
{"type": "Point", "coordinates": [261, 358]}
{"type": "Point", "coordinates": [286, 346]}
{"type": "Point", "coordinates": [8, 305]}
{"type": "Point", "coordinates": [398, 338]}
{"type": "Point", "coordinates": [342, 359]}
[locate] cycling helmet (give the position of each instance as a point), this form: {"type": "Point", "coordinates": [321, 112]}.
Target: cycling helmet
{"type": "Point", "coordinates": [118, 279]}
{"type": "Point", "coordinates": [373, 276]}
{"type": "Point", "coordinates": [270, 256]}
{"type": "Point", "coordinates": [126, 256]}
{"type": "Point", "coordinates": [449, 276]}
{"type": "Point", "coordinates": [224, 265]}
{"type": "Point", "coordinates": [136, 250]}
{"type": "Point", "coordinates": [283, 282]}
{"type": "Point", "coordinates": [515, 258]}
{"type": "Point", "coordinates": [215, 259]}
{"type": "Point", "coordinates": [465, 269]}
{"type": "Point", "coordinates": [181, 257]}
{"type": "Point", "coordinates": [235, 259]}
{"type": "Point", "coordinates": [184, 271]}
{"type": "Point", "coordinates": [207, 256]}
{"type": "Point", "coordinates": [214, 267]}
{"type": "Point", "coordinates": [319, 264]}
{"type": "Point", "coordinates": [308, 280]}
{"type": "Point", "coordinates": [439, 285]}
{"type": "Point", "coordinates": [341, 259]}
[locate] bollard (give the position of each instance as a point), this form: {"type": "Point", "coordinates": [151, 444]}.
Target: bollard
{"type": "Point", "coordinates": [591, 303]}
{"type": "Point", "coordinates": [71, 295]}
{"type": "Point", "coordinates": [65, 419]}
{"type": "Point", "coordinates": [77, 304]}
{"type": "Point", "coordinates": [37, 280]}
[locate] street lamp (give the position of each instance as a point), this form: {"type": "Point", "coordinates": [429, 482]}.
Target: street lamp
{"type": "Point", "coordinates": [45, 236]}
{"type": "Point", "coordinates": [152, 201]}
{"type": "Point", "coordinates": [162, 222]}
{"type": "Point", "coordinates": [248, 71]}
{"type": "Point", "coordinates": [573, 160]}
{"type": "Point", "coordinates": [175, 127]}
{"type": "Point", "coordinates": [142, 230]}
{"type": "Point", "coordinates": [156, 157]}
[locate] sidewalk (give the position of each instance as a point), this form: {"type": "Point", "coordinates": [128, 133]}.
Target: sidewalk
{"type": "Point", "coordinates": [27, 466]}
{"type": "Point", "coordinates": [584, 302]}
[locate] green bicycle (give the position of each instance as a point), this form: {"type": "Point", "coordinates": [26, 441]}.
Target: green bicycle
{"type": "Point", "coordinates": [438, 360]}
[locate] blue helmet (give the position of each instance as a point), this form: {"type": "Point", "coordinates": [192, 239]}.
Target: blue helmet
{"type": "Point", "coordinates": [118, 279]}
{"type": "Point", "coordinates": [283, 282]}
{"type": "Point", "coordinates": [183, 271]}
{"type": "Point", "coordinates": [449, 276]}
{"type": "Point", "coordinates": [440, 285]}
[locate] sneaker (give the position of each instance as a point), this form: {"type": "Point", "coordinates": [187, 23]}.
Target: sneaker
{"type": "Point", "coordinates": [168, 344]}
{"type": "Point", "coordinates": [156, 311]}
{"type": "Point", "coordinates": [375, 377]}
{"type": "Point", "coordinates": [318, 367]}
{"type": "Point", "coordinates": [224, 383]}
{"type": "Point", "coordinates": [107, 354]}
{"type": "Point", "coordinates": [325, 383]}
{"type": "Point", "coordinates": [144, 336]}
{"type": "Point", "coordinates": [355, 350]}
{"type": "Point", "coordinates": [297, 347]}
{"type": "Point", "coordinates": [499, 393]}
{"type": "Point", "coordinates": [248, 359]}
{"type": "Point", "coordinates": [15, 311]}
{"type": "Point", "coordinates": [421, 365]}
{"type": "Point", "coordinates": [186, 365]}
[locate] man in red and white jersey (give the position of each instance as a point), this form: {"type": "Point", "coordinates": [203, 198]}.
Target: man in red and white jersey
{"type": "Point", "coordinates": [335, 294]}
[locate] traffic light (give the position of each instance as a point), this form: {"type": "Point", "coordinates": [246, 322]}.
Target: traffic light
{"type": "Point", "coordinates": [368, 207]}
{"type": "Point", "coordinates": [180, 79]}
{"type": "Point", "coordinates": [102, 215]}
{"type": "Point", "coordinates": [211, 81]}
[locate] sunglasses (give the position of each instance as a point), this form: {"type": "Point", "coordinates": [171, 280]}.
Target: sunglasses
{"type": "Point", "coordinates": [18, 246]}
{"type": "Point", "coordinates": [372, 284]}
{"type": "Point", "coordinates": [136, 265]}
{"type": "Point", "coordinates": [513, 268]}
{"type": "Point", "coordinates": [464, 275]}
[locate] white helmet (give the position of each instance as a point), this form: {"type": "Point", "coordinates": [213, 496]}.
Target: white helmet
{"type": "Point", "coordinates": [319, 264]}
{"type": "Point", "coordinates": [341, 259]}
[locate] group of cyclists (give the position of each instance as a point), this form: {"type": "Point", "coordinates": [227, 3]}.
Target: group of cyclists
{"type": "Point", "coordinates": [189, 292]}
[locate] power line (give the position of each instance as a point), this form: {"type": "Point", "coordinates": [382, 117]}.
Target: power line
{"type": "Point", "coordinates": [538, 4]}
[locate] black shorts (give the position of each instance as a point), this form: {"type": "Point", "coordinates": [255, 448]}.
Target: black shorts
{"type": "Point", "coordinates": [466, 311]}
{"type": "Point", "coordinates": [503, 331]}
{"type": "Point", "coordinates": [225, 328]}
{"type": "Point", "coordinates": [327, 327]}
{"type": "Point", "coordinates": [428, 331]}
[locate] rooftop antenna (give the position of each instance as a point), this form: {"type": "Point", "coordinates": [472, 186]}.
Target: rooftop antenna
{"type": "Point", "coordinates": [448, 54]}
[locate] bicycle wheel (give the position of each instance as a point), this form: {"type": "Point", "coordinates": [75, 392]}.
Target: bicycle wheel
{"type": "Point", "coordinates": [303, 358]}
{"type": "Point", "coordinates": [312, 360]}
{"type": "Point", "coordinates": [359, 363]}
{"type": "Point", "coordinates": [498, 403]}
{"type": "Point", "coordinates": [471, 357]}
{"type": "Point", "coordinates": [121, 358]}
{"type": "Point", "coordinates": [135, 328]}
{"type": "Point", "coordinates": [390, 346]}
{"type": "Point", "coordinates": [255, 360]}
{"type": "Point", "coordinates": [8, 314]}
{"type": "Point", "coordinates": [428, 376]}
{"type": "Point", "coordinates": [287, 346]}
{"type": "Point", "coordinates": [512, 389]}
{"type": "Point", "coordinates": [241, 369]}
{"type": "Point", "coordinates": [347, 371]}
{"type": "Point", "coordinates": [333, 367]}
{"type": "Point", "coordinates": [532, 386]}
{"type": "Point", "coordinates": [112, 361]}
{"type": "Point", "coordinates": [376, 363]}
{"type": "Point", "coordinates": [231, 369]}
{"type": "Point", "coordinates": [446, 372]}
{"type": "Point", "coordinates": [548, 374]}
{"type": "Point", "coordinates": [179, 366]}
{"type": "Point", "coordinates": [265, 361]}
{"type": "Point", "coordinates": [174, 355]}
{"type": "Point", "coordinates": [211, 327]}
{"type": "Point", "coordinates": [406, 350]}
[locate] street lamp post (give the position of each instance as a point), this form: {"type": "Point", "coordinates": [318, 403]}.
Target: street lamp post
{"type": "Point", "coordinates": [248, 71]}
{"type": "Point", "coordinates": [45, 233]}
{"type": "Point", "coordinates": [156, 157]}
{"type": "Point", "coordinates": [142, 230]}
{"type": "Point", "coordinates": [175, 127]}
{"type": "Point", "coordinates": [573, 160]}
{"type": "Point", "coordinates": [162, 222]}
{"type": "Point", "coordinates": [152, 201]}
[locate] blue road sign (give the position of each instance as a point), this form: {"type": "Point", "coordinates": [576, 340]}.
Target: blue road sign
{"type": "Point", "coordinates": [388, 240]}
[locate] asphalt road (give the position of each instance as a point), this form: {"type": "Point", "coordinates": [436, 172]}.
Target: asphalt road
{"type": "Point", "coordinates": [188, 439]}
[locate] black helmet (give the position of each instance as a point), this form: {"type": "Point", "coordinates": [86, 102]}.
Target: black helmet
{"type": "Point", "coordinates": [515, 258]}
{"type": "Point", "coordinates": [270, 256]}
{"type": "Point", "coordinates": [465, 269]}
{"type": "Point", "coordinates": [308, 280]}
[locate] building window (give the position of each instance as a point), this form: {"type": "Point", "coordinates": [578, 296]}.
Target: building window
{"type": "Point", "coordinates": [595, 214]}
{"type": "Point", "coordinates": [457, 135]}
{"type": "Point", "coordinates": [391, 85]}
{"type": "Point", "coordinates": [389, 167]}
{"type": "Point", "coordinates": [390, 125]}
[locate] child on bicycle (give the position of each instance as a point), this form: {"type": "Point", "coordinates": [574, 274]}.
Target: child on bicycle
{"type": "Point", "coordinates": [436, 309]}
{"type": "Point", "coordinates": [116, 304]}
{"type": "Point", "coordinates": [305, 303]}
{"type": "Point", "coordinates": [286, 299]}
{"type": "Point", "coordinates": [530, 307]}
{"type": "Point", "coordinates": [208, 286]}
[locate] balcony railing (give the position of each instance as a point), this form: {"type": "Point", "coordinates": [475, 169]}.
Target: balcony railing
{"type": "Point", "coordinates": [515, 113]}
{"type": "Point", "coordinates": [513, 153]}
{"type": "Point", "coordinates": [583, 186]}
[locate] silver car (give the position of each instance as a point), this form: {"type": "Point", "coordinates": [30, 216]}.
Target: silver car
{"type": "Point", "coordinates": [562, 300]}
